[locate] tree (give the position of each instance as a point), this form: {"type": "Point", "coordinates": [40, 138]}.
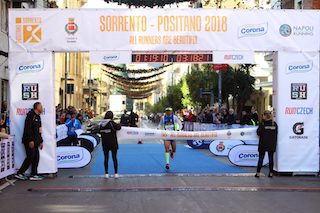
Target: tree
{"type": "Point", "coordinates": [244, 85]}
{"type": "Point", "coordinates": [201, 77]}
{"type": "Point", "coordinates": [185, 91]}
{"type": "Point", "coordinates": [172, 99]}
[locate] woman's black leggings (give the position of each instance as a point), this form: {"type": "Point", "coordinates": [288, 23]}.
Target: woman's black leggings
{"type": "Point", "coordinates": [114, 158]}
{"type": "Point", "coordinates": [260, 162]}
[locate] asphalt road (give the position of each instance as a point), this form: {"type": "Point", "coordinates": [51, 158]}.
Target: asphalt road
{"type": "Point", "coordinates": [72, 191]}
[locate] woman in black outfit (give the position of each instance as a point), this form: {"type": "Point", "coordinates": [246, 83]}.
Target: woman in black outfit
{"type": "Point", "coordinates": [108, 132]}
{"type": "Point", "coordinates": [267, 132]}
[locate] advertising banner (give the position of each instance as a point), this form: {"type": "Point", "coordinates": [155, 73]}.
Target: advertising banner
{"type": "Point", "coordinates": [6, 157]}
{"type": "Point", "coordinates": [246, 155]}
{"type": "Point", "coordinates": [233, 57]}
{"type": "Point", "coordinates": [163, 30]}
{"type": "Point", "coordinates": [72, 157]}
{"type": "Point", "coordinates": [199, 144]}
{"type": "Point", "coordinates": [297, 111]}
{"type": "Point", "coordinates": [130, 133]}
{"type": "Point", "coordinates": [110, 57]}
{"type": "Point", "coordinates": [90, 138]}
{"type": "Point", "coordinates": [32, 80]}
{"type": "Point", "coordinates": [222, 147]}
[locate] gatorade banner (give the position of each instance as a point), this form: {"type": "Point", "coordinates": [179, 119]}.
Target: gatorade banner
{"type": "Point", "coordinates": [130, 133]}
{"type": "Point", "coordinates": [163, 30]}
{"type": "Point", "coordinates": [297, 111]}
{"type": "Point", "coordinates": [32, 80]}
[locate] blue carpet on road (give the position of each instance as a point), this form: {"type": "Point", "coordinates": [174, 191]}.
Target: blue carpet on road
{"type": "Point", "coordinates": [149, 159]}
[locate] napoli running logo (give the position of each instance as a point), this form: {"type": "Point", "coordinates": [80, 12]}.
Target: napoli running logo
{"type": "Point", "coordinates": [285, 30]}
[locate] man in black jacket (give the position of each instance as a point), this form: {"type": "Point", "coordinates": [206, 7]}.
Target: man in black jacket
{"type": "Point", "coordinates": [32, 141]}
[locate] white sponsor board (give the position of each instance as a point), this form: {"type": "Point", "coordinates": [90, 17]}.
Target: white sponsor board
{"type": "Point", "coordinates": [297, 112]}
{"type": "Point", "coordinates": [62, 132]}
{"type": "Point", "coordinates": [163, 30]}
{"type": "Point", "coordinates": [130, 133]}
{"type": "Point", "coordinates": [7, 157]}
{"type": "Point", "coordinates": [222, 147]}
{"type": "Point", "coordinates": [72, 157]}
{"type": "Point", "coordinates": [233, 57]}
{"type": "Point", "coordinates": [246, 155]}
{"type": "Point", "coordinates": [110, 57]}
{"type": "Point", "coordinates": [43, 77]}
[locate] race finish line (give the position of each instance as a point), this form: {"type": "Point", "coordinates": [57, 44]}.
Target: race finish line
{"type": "Point", "coordinates": [177, 188]}
{"type": "Point", "coordinates": [130, 133]}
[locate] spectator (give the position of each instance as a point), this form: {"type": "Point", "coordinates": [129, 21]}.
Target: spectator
{"type": "Point", "coordinates": [3, 125]}
{"type": "Point", "coordinates": [134, 119]}
{"type": "Point", "coordinates": [80, 118]}
{"type": "Point", "coordinates": [254, 117]}
{"type": "Point", "coordinates": [231, 117]}
{"type": "Point", "coordinates": [73, 124]}
{"type": "Point", "coordinates": [224, 116]}
{"type": "Point", "coordinates": [125, 119]}
{"type": "Point", "coordinates": [209, 116]}
{"type": "Point", "coordinates": [245, 118]}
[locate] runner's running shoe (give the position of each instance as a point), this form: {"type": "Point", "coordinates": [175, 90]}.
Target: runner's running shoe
{"type": "Point", "coordinates": [167, 166]}
{"type": "Point", "coordinates": [21, 176]}
{"type": "Point", "coordinates": [36, 178]}
{"type": "Point", "coordinates": [171, 154]}
{"type": "Point", "coordinates": [116, 176]}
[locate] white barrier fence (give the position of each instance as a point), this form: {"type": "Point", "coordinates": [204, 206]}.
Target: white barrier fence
{"type": "Point", "coordinates": [6, 157]}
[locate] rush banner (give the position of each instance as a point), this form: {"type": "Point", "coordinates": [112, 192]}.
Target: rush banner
{"type": "Point", "coordinates": [297, 111]}
{"type": "Point", "coordinates": [130, 133]}
{"type": "Point", "coordinates": [32, 80]}
{"type": "Point", "coordinates": [163, 30]}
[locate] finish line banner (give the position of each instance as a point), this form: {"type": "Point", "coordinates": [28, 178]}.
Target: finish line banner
{"type": "Point", "coordinates": [131, 133]}
{"type": "Point", "coordinates": [163, 30]}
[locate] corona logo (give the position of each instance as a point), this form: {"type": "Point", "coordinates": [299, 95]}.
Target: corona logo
{"type": "Point", "coordinates": [28, 30]}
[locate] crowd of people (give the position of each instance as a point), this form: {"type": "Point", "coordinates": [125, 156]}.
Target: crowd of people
{"type": "Point", "coordinates": [129, 119]}
{"type": "Point", "coordinates": [212, 115]}
{"type": "Point", "coordinates": [62, 115]}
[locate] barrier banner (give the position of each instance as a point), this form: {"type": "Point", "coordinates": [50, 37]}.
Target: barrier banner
{"type": "Point", "coordinates": [233, 57]}
{"type": "Point", "coordinates": [163, 30]}
{"type": "Point", "coordinates": [107, 57]}
{"type": "Point", "coordinates": [297, 111]}
{"type": "Point", "coordinates": [130, 133]}
{"type": "Point", "coordinates": [199, 144]}
{"type": "Point", "coordinates": [6, 157]}
{"type": "Point", "coordinates": [72, 157]}
{"type": "Point", "coordinates": [246, 155]}
{"type": "Point", "coordinates": [222, 147]}
{"type": "Point", "coordinates": [32, 80]}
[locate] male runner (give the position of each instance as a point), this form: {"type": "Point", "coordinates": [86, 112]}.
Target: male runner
{"type": "Point", "coordinates": [172, 123]}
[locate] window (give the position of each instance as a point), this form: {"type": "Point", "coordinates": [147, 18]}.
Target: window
{"type": "Point", "coordinates": [4, 5]}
